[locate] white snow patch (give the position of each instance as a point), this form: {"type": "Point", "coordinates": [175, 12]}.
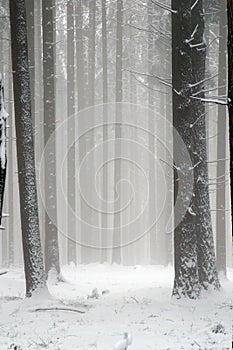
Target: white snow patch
{"type": "Point", "coordinates": [139, 303]}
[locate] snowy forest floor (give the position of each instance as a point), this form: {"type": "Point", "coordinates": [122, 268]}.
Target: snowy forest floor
{"type": "Point", "coordinates": [136, 300]}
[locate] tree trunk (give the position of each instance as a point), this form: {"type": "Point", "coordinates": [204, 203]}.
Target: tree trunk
{"type": "Point", "coordinates": [221, 147]}
{"type": "Point", "coordinates": [51, 235]}
{"type": "Point", "coordinates": [71, 227]}
{"type": "Point", "coordinates": [194, 250]}
{"type": "Point", "coordinates": [104, 224]}
{"type": "Point", "coordinates": [151, 107]}
{"type": "Point", "coordinates": [205, 243]}
{"type": "Point", "coordinates": [116, 253]}
{"type": "Point", "coordinates": [31, 53]}
{"type": "Point", "coordinates": [33, 260]}
{"type": "Point", "coordinates": [91, 53]}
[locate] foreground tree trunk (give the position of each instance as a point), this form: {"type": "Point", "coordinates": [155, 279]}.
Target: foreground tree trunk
{"type": "Point", "coordinates": [31, 53]}
{"type": "Point", "coordinates": [33, 261]}
{"type": "Point", "coordinates": [194, 249]}
{"type": "Point", "coordinates": [51, 235]}
{"type": "Point", "coordinates": [230, 89]}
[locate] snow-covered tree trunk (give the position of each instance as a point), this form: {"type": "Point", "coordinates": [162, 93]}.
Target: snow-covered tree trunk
{"type": "Point", "coordinates": [186, 269]}
{"type": "Point", "coordinates": [194, 249]}
{"type": "Point", "coordinates": [205, 242]}
{"type": "Point", "coordinates": [33, 260]}
{"type": "Point", "coordinates": [221, 147]}
{"type": "Point", "coordinates": [230, 88]}
{"type": "Point", "coordinates": [51, 234]}
{"type": "Point", "coordinates": [71, 227]}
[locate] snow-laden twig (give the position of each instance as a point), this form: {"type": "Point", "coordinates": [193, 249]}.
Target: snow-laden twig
{"type": "Point", "coordinates": [59, 309]}
{"type": "Point", "coordinates": [211, 100]}
{"type": "Point", "coordinates": [194, 4]}
{"type": "Point", "coordinates": [203, 81]}
{"type": "Point", "coordinates": [164, 7]}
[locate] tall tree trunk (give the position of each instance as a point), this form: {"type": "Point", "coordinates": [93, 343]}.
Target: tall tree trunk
{"type": "Point", "coordinates": [151, 107]}
{"type": "Point", "coordinates": [194, 250]}
{"type": "Point", "coordinates": [33, 260]}
{"type": "Point", "coordinates": [230, 89]}
{"type": "Point", "coordinates": [51, 234]}
{"type": "Point", "coordinates": [71, 227]}
{"type": "Point", "coordinates": [31, 53]}
{"type": "Point", "coordinates": [205, 243]}
{"type": "Point", "coordinates": [116, 253]}
{"type": "Point", "coordinates": [104, 223]}
{"type": "Point", "coordinates": [91, 53]}
{"type": "Point", "coordinates": [221, 147]}
{"type": "Point", "coordinates": [81, 81]}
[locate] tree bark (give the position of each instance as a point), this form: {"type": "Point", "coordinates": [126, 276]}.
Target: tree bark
{"type": "Point", "coordinates": [71, 227]}
{"type": "Point", "coordinates": [194, 249]}
{"type": "Point", "coordinates": [51, 234]}
{"type": "Point", "coordinates": [33, 260]}
{"type": "Point", "coordinates": [31, 53]}
{"type": "Point", "coordinates": [116, 253]}
{"type": "Point", "coordinates": [151, 138]}
{"type": "Point", "coordinates": [104, 223]}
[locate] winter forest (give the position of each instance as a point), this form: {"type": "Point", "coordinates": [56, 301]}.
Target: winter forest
{"type": "Point", "coordinates": [116, 174]}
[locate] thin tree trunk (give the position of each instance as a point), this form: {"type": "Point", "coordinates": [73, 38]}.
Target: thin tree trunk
{"type": "Point", "coordinates": [151, 107]}
{"type": "Point", "coordinates": [71, 227]}
{"type": "Point", "coordinates": [104, 224]}
{"type": "Point", "coordinates": [221, 147]}
{"type": "Point", "coordinates": [91, 53]}
{"type": "Point", "coordinates": [116, 254]}
{"type": "Point", "coordinates": [51, 234]}
{"type": "Point", "coordinates": [33, 260]}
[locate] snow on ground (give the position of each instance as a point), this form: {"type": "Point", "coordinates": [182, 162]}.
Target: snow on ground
{"type": "Point", "coordinates": [136, 300]}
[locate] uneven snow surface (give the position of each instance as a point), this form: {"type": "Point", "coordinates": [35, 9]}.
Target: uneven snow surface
{"type": "Point", "coordinates": [136, 300]}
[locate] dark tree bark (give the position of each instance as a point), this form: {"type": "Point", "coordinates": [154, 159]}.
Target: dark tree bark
{"type": "Point", "coordinates": [221, 147]}
{"type": "Point", "coordinates": [33, 260]}
{"type": "Point", "coordinates": [116, 253]}
{"type": "Point", "coordinates": [205, 243]}
{"type": "Point", "coordinates": [230, 89]}
{"type": "Point", "coordinates": [51, 234]}
{"type": "Point", "coordinates": [104, 217]}
{"type": "Point", "coordinates": [194, 250]}
{"type": "Point", "coordinates": [31, 53]}
{"type": "Point", "coordinates": [71, 227]}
